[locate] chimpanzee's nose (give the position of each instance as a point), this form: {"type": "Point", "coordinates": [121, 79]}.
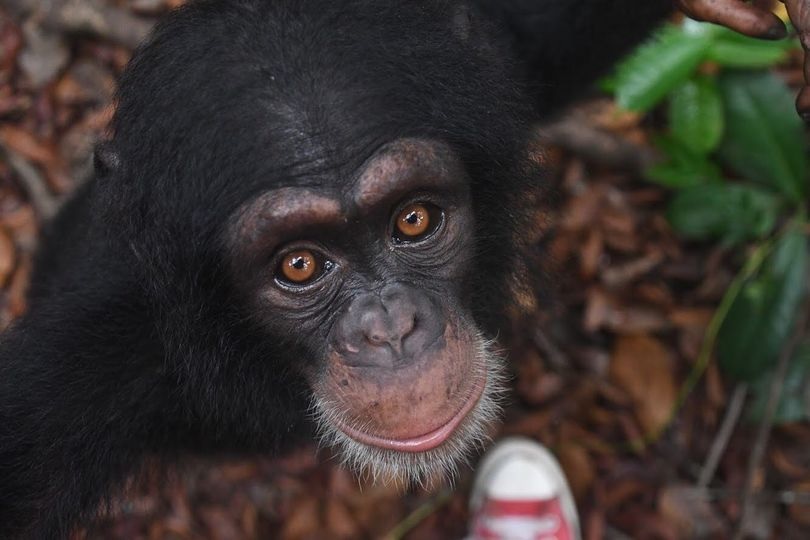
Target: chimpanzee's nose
{"type": "Point", "coordinates": [388, 328]}
{"type": "Point", "coordinates": [390, 321]}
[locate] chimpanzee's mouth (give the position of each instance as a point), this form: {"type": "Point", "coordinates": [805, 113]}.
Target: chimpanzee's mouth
{"type": "Point", "coordinates": [412, 458]}
{"type": "Point", "coordinates": [429, 440]}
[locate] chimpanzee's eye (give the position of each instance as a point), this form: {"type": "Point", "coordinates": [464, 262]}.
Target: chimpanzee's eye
{"type": "Point", "coordinates": [416, 222]}
{"type": "Point", "coordinates": [301, 267]}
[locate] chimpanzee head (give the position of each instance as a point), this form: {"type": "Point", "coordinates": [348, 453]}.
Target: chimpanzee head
{"type": "Point", "coordinates": [378, 276]}
{"type": "Point", "coordinates": [322, 198]}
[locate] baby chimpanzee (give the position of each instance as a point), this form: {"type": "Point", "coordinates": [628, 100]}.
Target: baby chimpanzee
{"type": "Point", "coordinates": [302, 225]}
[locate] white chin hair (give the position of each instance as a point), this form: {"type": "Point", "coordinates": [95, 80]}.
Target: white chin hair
{"type": "Point", "coordinates": [421, 468]}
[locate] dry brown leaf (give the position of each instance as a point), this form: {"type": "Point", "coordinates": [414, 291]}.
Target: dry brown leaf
{"type": "Point", "coordinates": [590, 255]}
{"type": "Point", "coordinates": [303, 521]}
{"type": "Point", "coordinates": [593, 359]}
{"type": "Point", "coordinates": [607, 115]}
{"type": "Point", "coordinates": [562, 247]}
{"type": "Point", "coordinates": [586, 438]}
{"type": "Point", "coordinates": [603, 311]}
{"type": "Point", "coordinates": [534, 424]}
{"type": "Point", "coordinates": [798, 432]}
{"type": "Point", "coordinates": [787, 464]}
{"type": "Point", "coordinates": [612, 395]}
{"type": "Point", "coordinates": [18, 286]}
{"type": "Point", "coordinates": [8, 256]}
{"type": "Point", "coordinates": [219, 523]}
{"type": "Point", "coordinates": [339, 521]}
{"type": "Point", "coordinates": [583, 209]}
{"type": "Point", "coordinates": [618, 220]}
{"type": "Point", "coordinates": [26, 145]}
{"type": "Point", "coordinates": [683, 317]}
{"type": "Point", "coordinates": [600, 416]}
{"type": "Point", "coordinates": [642, 367]}
{"type": "Point", "coordinates": [801, 512]}
{"type": "Point", "coordinates": [598, 310]}
{"type": "Point", "coordinates": [621, 491]}
{"type": "Point", "coordinates": [624, 274]}
{"type": "Point", "coordinates": [627, 244]}
{"type": "Point", "coordinates": [574, 176]}
{"type": "Point", "coordinates": [657, 294]}
{"type": "Point", "coordinates": [594, 525]}
{"type": "Point", "coordinates": [11, 42]}
{"type": "Point", "coordinates": [579, 468]}
{"type": "Point", "coordinates": [68, 90]}
{"type": "Point", "coordinates": [377, 507]}
{"type": "Point", "coordinates": [342, 483]}
{"type": "Point", "coordinates": [541, 389]}
{"type": "Point", "coordinates": [179, 522]}
{"type": "Point", "coordinates": [692, 514]}
{"type": "Point", "coordinates": [21, 222]}
{"type": "Point", "coordinates": [646, 196]}
{"type": "Point", "coordinates": [250, 521]}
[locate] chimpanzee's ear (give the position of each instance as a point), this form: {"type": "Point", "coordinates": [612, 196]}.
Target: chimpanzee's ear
{"type": "Point", "coordinates": [105, 159]}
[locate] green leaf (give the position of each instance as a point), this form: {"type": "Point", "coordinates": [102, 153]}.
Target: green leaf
{"type": "Point", "coordinates": [683, 167]}
{"type": "Point", "coordinates": [654, 69]}
{"type": "Point", "coordinates": [794, 401]}
{"type": "Point", "coordinates": [676, 175]}
{"type": "Point", "coordinates": [765, 141]}
{"type": "Point", "coordinates": [734, 50]}
{"type": "Point", "coordinates": [607, 84]}
{"type": "Point", "coordinates": [696, 114]}
{"type": "Point", "coordinates": [729, 212]}
{"type": "Point", "coordinates": [762, 316]}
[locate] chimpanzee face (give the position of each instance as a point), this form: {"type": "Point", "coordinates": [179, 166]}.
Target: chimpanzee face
{"type": "Point", "coordinates": [376, 276]}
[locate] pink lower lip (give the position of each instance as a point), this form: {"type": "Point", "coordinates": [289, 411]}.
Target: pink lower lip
{"type": "Point", "coordinates": [424, 442]}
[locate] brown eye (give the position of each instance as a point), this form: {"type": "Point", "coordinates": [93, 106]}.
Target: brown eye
{"type": "Point", "coordinates": [299, 267]}
{"type": "Point", "coordinates": [416, 221]}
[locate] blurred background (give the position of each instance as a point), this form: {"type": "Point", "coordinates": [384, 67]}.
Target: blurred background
{"type": "Point", "coordinates": [660, 353]}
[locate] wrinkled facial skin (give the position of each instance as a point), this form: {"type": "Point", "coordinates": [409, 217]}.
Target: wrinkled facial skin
{"type": "Point", "coordinates": [374, 279]}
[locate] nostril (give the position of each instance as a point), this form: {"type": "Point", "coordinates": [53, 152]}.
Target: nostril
{"type": "Point", "coordinates": [414, 323]}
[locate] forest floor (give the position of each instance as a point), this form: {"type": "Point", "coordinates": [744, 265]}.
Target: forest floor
{"type": "Point", "coordinates": [602, 359]}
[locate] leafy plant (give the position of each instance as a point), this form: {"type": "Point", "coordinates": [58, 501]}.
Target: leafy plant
{"type": "Point", "coordinates": [761, 317]}
{"type": "Point", "coordinates": [736, 156]}
{"type": "Point", "coordinates": [794, 404]}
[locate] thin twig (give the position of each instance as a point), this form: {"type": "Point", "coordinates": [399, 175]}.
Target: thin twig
{"type": "Point", "coordinates": [732, 416]}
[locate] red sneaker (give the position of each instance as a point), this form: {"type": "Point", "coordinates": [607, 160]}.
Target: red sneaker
{"type": "Point", "coordinates": [520, 493]}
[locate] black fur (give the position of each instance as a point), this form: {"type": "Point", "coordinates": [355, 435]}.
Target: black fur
{"type": "Point", "coordinates": [135, 343]}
